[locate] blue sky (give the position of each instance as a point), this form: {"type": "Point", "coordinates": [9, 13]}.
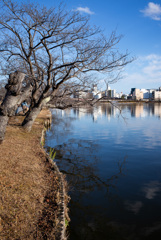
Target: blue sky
{"type": "Point", "coordinates": [139, 21]}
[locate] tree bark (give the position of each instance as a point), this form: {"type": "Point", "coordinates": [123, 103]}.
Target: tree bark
{"type": "Point", "coordinates": [3, 124]}
{"type": "Point", "coordinates": [33, 113]}
{"type": "Point", "coordinates": [30, 118]}
{"type": "Point", "coordinates": [14, 96]}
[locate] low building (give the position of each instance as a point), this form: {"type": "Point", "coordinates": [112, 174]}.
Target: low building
{"type": "Point", "coordinates": [81, 94]}
{"type": "Point", "coordinates": [146, 93]}
{"type": "Point", "coordinates": [157, 95]}
{"type": "Point", "coordinates": [118, 95]}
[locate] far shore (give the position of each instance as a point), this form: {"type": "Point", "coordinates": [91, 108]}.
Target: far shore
{"type": "Point", "coordinates": [119, 101]}
{"type": "Point", "coordinates": [130, 101]}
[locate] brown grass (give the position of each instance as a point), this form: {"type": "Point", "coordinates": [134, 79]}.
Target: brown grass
{"type": "Point", "coordinates": [28, 187]}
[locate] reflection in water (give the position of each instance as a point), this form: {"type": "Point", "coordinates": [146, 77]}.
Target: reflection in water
{"type": "Point", "coordinates": [108, 110]}
{"type": "Point", "coordinates": [78, 160]}
{"type": "Point", "coordinates": [151, 189]}
{"type": "Point", "coordinates": [134, 207]}
{"type": "Point", "coordinates": [113, 170]}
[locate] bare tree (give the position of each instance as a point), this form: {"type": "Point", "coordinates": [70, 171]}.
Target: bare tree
{"type": "Point", "coordinates": [54, 48]}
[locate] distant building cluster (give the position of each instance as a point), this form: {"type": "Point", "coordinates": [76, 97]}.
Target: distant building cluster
{"type": "Point", "coordinates": [96, 93]}
{"type": "Point", "coordinates": [140, 94]}
{"type": "Point", "coordinates": [135, 94]}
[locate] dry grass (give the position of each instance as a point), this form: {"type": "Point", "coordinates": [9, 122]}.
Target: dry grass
{"type": "Point", "coordinates": [28, 187]}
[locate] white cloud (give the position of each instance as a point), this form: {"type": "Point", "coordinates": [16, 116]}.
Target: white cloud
{"type": "Point", "coordinates": [85, 10]}
{"type": "Point", "coordinates": [145, 70]}
{"type": "Point", "coordinates": [153, 67]}
{"type": "Point", "coordinates": [151, 57]}
{"type": "Point", "coordinates": [153, 10]}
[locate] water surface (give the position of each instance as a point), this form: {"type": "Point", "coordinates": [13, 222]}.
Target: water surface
{"type": "Point", "coordinates": [112, 161]}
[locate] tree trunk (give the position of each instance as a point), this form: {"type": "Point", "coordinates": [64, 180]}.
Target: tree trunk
{"type": "Point", "coordinates": [3, 124]}
{"type": "Point", "coordinates": [13, 94]}
{"type": "Point", "coordinates": [33, 113]}
{"type": "Point", "coordinates": [11, 100]}
{"type": "Point", "coordinates": [30, 117]}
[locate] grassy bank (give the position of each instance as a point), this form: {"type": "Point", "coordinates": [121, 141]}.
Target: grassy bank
{"type": "Point", "coordinates": [29, 189]}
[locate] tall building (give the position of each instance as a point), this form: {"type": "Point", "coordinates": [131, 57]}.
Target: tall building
{"type": "Point", "coordinates": [96, 93]}
{"type": "Point", "coordinates": [137, 94]}
{"type": "Point", "coordinates": [157, 95]}
{"type": "Point", "coordinates": [111, 93]}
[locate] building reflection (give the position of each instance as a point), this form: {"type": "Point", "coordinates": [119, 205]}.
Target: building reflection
{"type": "Point", "coordinates": [137, 111]}
{"type": "Point", "coordinates": [144, 110]}
{"type": "Point", "coordinates": [109, 110]}
{"type": "Point", "coordinates": [97, 111]}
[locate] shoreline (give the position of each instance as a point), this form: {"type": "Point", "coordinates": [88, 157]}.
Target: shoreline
{"type": "Point", "coordinates": [129, 101]}
{"type": "Point", "coordinates": [31, 188]}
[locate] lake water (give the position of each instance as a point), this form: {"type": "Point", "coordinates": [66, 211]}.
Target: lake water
{"type": "Point", "coordinates": [112, 161]}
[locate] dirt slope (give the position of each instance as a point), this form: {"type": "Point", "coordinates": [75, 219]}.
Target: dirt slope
{"type": "Point", "coordinates": [28, 187]}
